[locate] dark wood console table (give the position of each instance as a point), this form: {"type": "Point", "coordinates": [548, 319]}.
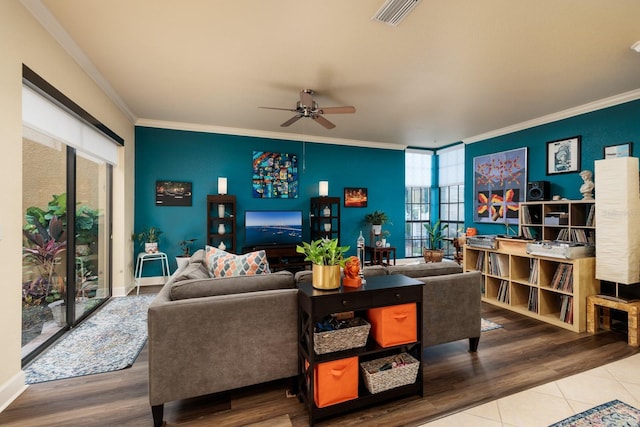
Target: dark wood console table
{"type": "Point", "coordinates": [381, 255]}
{"type": "Point", "coordinates": [314, 305]}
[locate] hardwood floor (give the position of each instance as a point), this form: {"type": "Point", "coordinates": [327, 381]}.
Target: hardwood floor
{"type": "Point", "coordinates": [522, 354]}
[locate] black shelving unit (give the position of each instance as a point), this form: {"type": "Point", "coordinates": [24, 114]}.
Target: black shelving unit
{"type": "Point", "coordinates": [325, 218]}
{"type": "Point", "coordinates": [379, 291]}
{"type": "Point", "coordinates": [227, 221]}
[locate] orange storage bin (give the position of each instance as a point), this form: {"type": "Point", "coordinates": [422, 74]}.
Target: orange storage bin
{"type": "Point", "coordinates": [336, 381]}
{"type": "Point", "coordinates": [394, 325]}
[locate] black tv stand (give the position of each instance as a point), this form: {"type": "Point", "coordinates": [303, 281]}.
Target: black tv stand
{"type": "Point", "coordinates": [281, 257]}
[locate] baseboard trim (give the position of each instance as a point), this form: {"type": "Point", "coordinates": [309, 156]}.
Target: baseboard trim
{"type": "Point", "coordinates": [10, 390]}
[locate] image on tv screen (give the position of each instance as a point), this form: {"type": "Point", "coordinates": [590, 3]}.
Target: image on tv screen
{"type": "Point", "coordinates": [273, 227]}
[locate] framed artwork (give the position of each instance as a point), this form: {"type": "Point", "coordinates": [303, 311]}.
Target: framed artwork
{"type": "Point", "coordinates": [355, 197]}
{"type": "Point", "coordinates": [499, 185]}
{"type": "Point", "coordinates": [563, 155]}
{"type": "Point", "coordinates": [173, 193]}
{"type": "Point", "coordinates": [620, 150]}
{"type": "Point", "coordinates": [275, 175]}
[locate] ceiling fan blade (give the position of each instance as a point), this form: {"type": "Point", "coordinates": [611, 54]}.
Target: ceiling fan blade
{"type": "Point", "coordinates": [305, 97]}
{"type": "Point", "coordinates": [276, 108]}
{"type": "Point", "coordinates": [337, 110]}
{"type": "Point", "coordinates": [324, 122]}
{"type": "Point", "coordinates": [291, 121]}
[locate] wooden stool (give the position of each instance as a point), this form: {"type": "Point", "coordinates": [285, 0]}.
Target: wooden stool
{"type": "Point", "coordinates": [593, 318]}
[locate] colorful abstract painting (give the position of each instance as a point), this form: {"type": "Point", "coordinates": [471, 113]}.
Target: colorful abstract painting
{"type": "Point", "coordinates": [500, 181]}
{"type": "Point", "coordinates": [275, 175]}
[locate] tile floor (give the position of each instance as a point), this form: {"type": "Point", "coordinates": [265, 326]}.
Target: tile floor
{"type": "Point", "coordinates": [550, 403]}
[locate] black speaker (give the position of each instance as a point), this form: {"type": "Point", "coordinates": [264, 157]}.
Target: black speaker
{"type": "Point", "coordinates": [538, 190]}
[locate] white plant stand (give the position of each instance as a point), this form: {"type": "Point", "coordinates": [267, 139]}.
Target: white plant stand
{"type": "Point", "coordinates": [144, 257]}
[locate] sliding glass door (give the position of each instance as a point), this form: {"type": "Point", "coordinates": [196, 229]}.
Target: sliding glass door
{"type": "Point", "coordinates": [64, 278]}
{"type": "Point", "coordinates": [91, 233]}
{"type": "Point", "coordinates": [44, 262]}
{"type": "Point", "coordinates": [67, 166]}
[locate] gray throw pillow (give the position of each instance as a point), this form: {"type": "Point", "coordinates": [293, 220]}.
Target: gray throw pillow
{"type": "Point", "coordinates": [193, 271]}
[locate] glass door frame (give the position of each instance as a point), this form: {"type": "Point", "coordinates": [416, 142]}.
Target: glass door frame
{"type": "Point", "coordinates": [36, 82]}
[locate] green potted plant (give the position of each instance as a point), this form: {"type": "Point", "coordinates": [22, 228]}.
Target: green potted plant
{"type": "Point", "coordinates": [327, 258]}
{"type": "Point", "coordinates": [185, 245]}
{"type": "Point", "coordinates": [376, 219]}
{"type": "Point", "coordinates": [149, 238]}
{"type": "Point", "coordinates": [44, 249]}
{"type": "Point", "coordinates": [433, 252]}
{"type": "Point", "coordinates": [182, 260]}
{"type": "Point", "coordinates": [383, 237]}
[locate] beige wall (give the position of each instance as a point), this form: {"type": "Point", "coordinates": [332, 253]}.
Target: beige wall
{"type": "Point", "coordinates": [23, 40]}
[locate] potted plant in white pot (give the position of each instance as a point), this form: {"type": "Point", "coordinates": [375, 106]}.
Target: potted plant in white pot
{"type": "Point", "coordinates": [376, 219]}
{"type": "Point", "coordinates": [383, 237]}
{"type": "Point", "coordinates": [183, 259]}
{"type": "Point", "coordinates": [327, 258]}
{"type": "Point", "coordinates": [149, 237]}
{"type": "Point", "coordinates": [433, 252]}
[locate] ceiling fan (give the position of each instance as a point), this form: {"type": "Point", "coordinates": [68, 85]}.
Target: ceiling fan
{"type": "Point", "coordinates": [307, 107]}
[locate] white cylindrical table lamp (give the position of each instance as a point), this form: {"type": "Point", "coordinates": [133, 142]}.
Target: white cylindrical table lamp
{"type": "Point", "coordinates": [222, 185]}
{"type": "Point", "coordinates": [323, 188]}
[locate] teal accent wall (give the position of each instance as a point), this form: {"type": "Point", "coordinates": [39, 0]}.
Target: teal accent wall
{"type": "Point", "coordinates": [200, 158]}
{"type": "Point", "coordinates": [610, 126]}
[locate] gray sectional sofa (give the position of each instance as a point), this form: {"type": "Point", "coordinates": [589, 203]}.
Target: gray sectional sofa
{"type": "Point", "coordinates": [208, 335]}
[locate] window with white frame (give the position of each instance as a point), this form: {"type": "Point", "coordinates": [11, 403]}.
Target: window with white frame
{"type": "Point", "coordinates": [451, 186]}
{"type": "Point", "coordinates": [418, 171]}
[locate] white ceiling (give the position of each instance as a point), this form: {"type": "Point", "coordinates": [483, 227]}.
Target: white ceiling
{"type": "Point", "coordinates": [452, 70]}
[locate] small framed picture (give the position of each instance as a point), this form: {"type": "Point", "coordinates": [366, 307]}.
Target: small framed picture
{"type": "Point", "coordinates": [620, 150]}
{"type": "Point", "coordinates": [173, 193]}
{"type": "Point", "coordinates": [355, 197]}
{"type": "Point", "coordinates": [563, 155]}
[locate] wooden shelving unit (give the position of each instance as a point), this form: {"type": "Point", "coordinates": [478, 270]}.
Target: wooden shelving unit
{"type": "Point", "coordinates": [215, 222]}
{"type": "Point", "coordinates": [325, 218]}
{"type": "Point", "coordinates": [570, 220]}
{"type": "Point", "coordinates": [553, 290]}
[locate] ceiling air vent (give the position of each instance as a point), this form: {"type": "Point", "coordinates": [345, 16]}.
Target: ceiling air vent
{"type": "Point", "coordinates": [393, 12]}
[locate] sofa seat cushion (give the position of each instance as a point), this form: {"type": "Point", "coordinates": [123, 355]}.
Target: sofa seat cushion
{"type": "Point", "coordinates": [426, 269]}
{"type": "Point", "coordinates": [199, 288]}
{"type": "Point", "coordinates": [223, 264]}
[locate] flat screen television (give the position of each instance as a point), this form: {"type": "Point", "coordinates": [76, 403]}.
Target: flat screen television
{"type": "Point", "coordinates": [268, 228]}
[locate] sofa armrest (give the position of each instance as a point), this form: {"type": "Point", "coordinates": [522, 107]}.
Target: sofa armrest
{"type": "Point", "coordinates": [205, 345]}
{"type": "Point", "coordinates": [451, 307]}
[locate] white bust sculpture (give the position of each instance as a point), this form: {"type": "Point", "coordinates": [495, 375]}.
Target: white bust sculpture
{"type": "Point", "coordinates": [587, 187]}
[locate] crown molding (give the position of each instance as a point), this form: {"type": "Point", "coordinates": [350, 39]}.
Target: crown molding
{"type": "Point", "coordinates": [51, 24]}
{"type": "Point", "coordinates": [265, 134]}
{"type": "Point", "coordinates": [565, 114]}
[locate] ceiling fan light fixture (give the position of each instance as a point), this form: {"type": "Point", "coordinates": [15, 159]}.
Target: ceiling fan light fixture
{"type": "Point", "coordinates": [308, 107]}
{"type": "Point", "coordinates": [393, 12]}
{"type": "Point", "coordinates": [636, 46]}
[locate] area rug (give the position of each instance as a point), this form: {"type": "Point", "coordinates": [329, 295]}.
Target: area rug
{"type": "Point", "coordinates": [109, 340]}
{"type": "Point", "coordinates": [610, 414]}
{"type": "Point", "coordinates": [488, 325]}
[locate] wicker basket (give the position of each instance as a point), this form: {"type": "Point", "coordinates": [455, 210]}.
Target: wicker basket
{"type": "Point", "coordinates": [377, 381]}
{"type": "Point", "coordinates": [342, 339]}
{"type": "Point", "coordinates": [432, 255]}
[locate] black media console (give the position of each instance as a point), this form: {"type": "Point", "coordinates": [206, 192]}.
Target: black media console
{"type": "Point", "coordinates": [281, 257]}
